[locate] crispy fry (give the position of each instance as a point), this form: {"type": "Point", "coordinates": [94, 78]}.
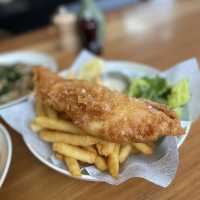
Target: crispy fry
{"type": "Point", "coordinates": [124, 152]}
{"type": "Point", "coordinates": [90, 148]}
{"type": "Point", "coordinates": [73, 166]}
{"type": "Point", "coordinates": [71, 163]}
{"type": "Point", "coordinates": [100, 162]}
{"type": "Point", "coordinates": [58, 124]}
{"type": "Point", "coordinates": [77, 140]}
{"type": "Point", "coordinates": [50, 112]}
{"type": "Point", "coordinates": [75, 152]}
{"type": "Point", "coordinates": [35, 127]}
{"type": "Point", "coordinates": [39, 107]}
{"type": "Point", "coordinates": [113, 161]}
{"type": "Point", "coordinates": [105, 148]}
{"type": "Point", "coordinates": [144, 148]}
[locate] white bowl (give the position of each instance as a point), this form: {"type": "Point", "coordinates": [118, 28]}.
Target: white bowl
{"type": "Point", "coordinates": [5, 153]}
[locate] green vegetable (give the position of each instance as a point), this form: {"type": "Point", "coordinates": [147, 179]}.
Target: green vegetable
{"type": "Point", "coordinates": [180, 94]}
{"type": "Point", "coordinates": [156, 89]}
{"type": "Point", "coordinates": [138, 87]}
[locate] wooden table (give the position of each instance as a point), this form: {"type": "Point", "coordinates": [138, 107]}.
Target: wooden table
{"type": "Point", "coordinates": [158, 34]}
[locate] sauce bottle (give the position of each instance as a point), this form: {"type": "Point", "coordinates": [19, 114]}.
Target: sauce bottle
{"type": "Point", "coordinates": [91, 26]}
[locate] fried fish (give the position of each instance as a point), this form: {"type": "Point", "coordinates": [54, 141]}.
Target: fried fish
{"type": "Point", "coordinates": [106, 114]}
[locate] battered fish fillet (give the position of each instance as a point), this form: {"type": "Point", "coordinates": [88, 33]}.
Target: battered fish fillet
{"type": "Point", "coordinates": [103, 113]}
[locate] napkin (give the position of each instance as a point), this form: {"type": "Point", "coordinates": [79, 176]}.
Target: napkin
{"type": "Point", "coordinates": [159, 168]}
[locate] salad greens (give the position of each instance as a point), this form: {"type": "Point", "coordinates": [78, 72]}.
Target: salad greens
{"type": "Point", "coordinates": [180, 94]}
{"type": "Point", "coordinates": [160, 90]}
{"type": "Point", "coordinates": [155, 89]}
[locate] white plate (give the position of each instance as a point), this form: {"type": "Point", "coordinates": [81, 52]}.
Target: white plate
{"type": "Point", "coordinates": [128, 69]}
{"type": "Point", "coordinates": [31, 59]}
{"type": "Point", "coordinates": [5, 153]}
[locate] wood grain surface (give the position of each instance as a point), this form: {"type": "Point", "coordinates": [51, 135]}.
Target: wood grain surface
{"type": "Point", "coordinates": [158, 33]}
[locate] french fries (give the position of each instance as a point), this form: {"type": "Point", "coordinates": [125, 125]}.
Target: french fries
{"type": "Point", "coordinates": [57, 124]}
{"type": "Point", "coordinates": [90, 148]}
{"type": "Point", "coordinates": [100, 162]}
{"type": "Point", "coordinates": [113, 161]}
{"type": "Point", "coordinates": [73, 166]}
{"type": "Point", "coordinates": [124, 152]}
{"type": "Point", "coordinates": [71, 145]}
{"type": "Point", "coordinates": [77, 140]}
{"type": "Point", "coordinates": [105, 148]}
{"type": "Point", "coordinates": [74, 152]}
{"type": "Point", "coordinates": [144, 148]}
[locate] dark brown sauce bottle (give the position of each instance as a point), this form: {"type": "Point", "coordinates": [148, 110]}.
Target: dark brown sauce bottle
{"type": "Point", "coordinates": [91, 27]}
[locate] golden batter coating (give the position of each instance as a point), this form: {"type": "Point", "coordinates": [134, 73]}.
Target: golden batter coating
{"type": "Point", "coordinates": [103, 113]}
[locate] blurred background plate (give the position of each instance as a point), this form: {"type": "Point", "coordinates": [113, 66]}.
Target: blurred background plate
{"type": "Point", "coordinates": [5, 153]}
{"type": "Point", "coordinates": [30, 59]}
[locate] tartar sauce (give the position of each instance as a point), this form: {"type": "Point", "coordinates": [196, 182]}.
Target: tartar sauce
{"type": "Point", "coordinates": [115, 84]}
